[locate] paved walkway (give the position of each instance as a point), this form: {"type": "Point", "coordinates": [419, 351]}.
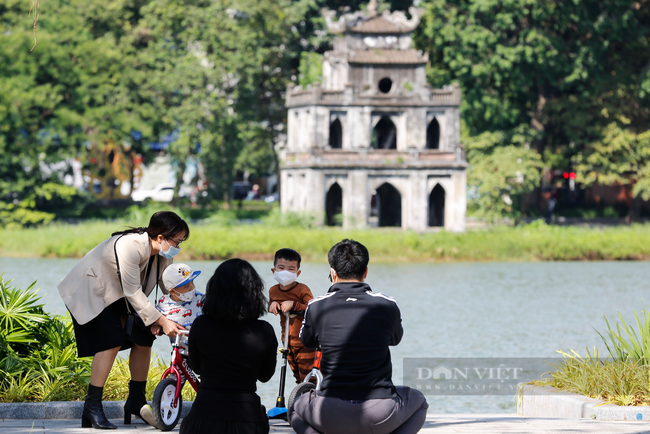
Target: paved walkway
{"type": "Point", "coordinates": [438, 424]}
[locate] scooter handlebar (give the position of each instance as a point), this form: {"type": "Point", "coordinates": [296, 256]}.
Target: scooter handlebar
{"type": "Point", "coordinates": [297, 312]}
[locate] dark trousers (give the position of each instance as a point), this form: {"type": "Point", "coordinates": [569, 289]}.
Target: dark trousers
{"type": "Point", "coordinates": [403, 414]}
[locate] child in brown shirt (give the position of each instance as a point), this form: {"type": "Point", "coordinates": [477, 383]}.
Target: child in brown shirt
{"type": "Point", "coordinates": [290, 295]}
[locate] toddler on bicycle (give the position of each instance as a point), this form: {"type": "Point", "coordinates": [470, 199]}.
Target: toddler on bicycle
{"type": "Point", "coordinates": [183, 304]}
{"type": "Point", "coordinates": [290, 295]}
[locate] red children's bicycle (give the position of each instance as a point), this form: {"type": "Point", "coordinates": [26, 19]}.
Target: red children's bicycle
{"type": "Point", "coordinates": [167, 399]}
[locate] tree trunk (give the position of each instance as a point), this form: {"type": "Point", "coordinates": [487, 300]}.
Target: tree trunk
{"type": "Point", "coordinates": [225, 188]}
{"type": "Point", "coordinates": [276, 165]}
{"type": "Point", "coordinates": [179, 181]}
{"type": "Point", "coordinates": [635, 210]}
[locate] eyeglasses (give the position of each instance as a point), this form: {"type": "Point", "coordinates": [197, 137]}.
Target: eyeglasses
{"type": "Point", "coordinates": [178, 243]}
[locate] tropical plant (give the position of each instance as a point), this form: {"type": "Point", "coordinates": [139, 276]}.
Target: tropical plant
{"type": "Point", "coordinates": [633, 345]}
{"type": "Point", "coordinates": [38, 358]}
{"type": "Point", "coordinates": [20, 319]}
{"type": "Point", "coordinates": [620, 382]}
{"type": "Point", "coordinates": [621, 378]}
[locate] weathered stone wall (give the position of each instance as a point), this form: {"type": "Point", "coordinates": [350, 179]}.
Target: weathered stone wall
{"type": "Point", "coordinates": [305, 190]}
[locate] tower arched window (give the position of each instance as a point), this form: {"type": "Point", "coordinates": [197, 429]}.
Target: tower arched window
{"type": "Point", "coordinates": [334, 205]}
{"type": "Point", "coordinates": [384, 135]}
{"type": "Point", "coordinates": [336, 135]}
{"type": "Point", "coordinates": [437, 206]}
{"type": "Point", "coordinates": [433, 134]}
{"type": "Point", "coordinates": [387, 205]}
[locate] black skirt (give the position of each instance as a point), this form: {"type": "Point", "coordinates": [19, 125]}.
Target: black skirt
{"type": "Point", "coordinates": [104, 332]}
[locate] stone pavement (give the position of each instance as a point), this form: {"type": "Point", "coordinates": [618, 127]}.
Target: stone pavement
{"type": "Point", "coordinates": [438, 424]}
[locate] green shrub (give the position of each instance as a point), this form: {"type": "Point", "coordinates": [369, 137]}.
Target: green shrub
{"type": "Point", "coordinates": [620, 382]}
{"type": "Point", "coordinates": [38, 359]}
{"type": "Point", "coordinates": [632, 346]}
{"type": "Point", "coordinates": [45, 203]}
{"type": "Point", "coordinates": [622, 378]}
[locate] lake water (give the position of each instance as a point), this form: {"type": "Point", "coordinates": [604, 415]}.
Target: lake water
{"type": "Point", "coordinates": [448, 310]}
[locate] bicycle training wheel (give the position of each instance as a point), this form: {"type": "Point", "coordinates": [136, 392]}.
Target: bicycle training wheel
{"type": "Point", "coordinates": [164, 414]}
{"type": "Point", "coordinates": [300, 389]}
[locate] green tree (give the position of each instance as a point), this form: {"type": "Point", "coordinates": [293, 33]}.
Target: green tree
{"type": "Point", "coordinates": [45, 96]}
{"type": "Point", "coordinates": [501, 176]}
{"type": "Point", "coordinates": [620, 157]}
{"type": "Point", "coordinates": [561, 68]}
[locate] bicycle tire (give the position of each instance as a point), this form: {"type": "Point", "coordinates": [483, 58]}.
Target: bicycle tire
{"type": "Point", "coordinates": [166, 416]}
{"type": "Point", "coordinates": [300, 389]}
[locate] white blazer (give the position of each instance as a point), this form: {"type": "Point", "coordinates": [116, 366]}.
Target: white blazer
{"type": "Point", "coordinates": [93, 284]}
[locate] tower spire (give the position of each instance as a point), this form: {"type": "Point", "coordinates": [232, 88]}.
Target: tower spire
{"type": "Point", "coordinates": [372, 8]}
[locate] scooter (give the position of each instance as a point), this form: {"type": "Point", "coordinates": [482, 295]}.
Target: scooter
{"type": "Point", "coordinates": [280, 410]}
{"type": "Point", "coordinates": [167, 399]}
{"type": "Point", "coordinates": [307, 385]}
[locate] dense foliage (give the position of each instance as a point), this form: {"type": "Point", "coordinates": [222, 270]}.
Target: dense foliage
{"type": "Point", "coordinates": [546, 85]}
{"type": "Point", "coordinates": [558, 78]}
{"type": "Point", "coordinates": [38, 355]}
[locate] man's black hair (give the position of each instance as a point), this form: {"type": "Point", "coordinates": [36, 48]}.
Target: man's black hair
{"type": "Point", "coordinates": [349, 259]}
{"type": "Point", "coordinates": [287, 255]}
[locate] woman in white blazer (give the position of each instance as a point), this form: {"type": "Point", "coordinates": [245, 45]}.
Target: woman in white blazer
{"type": "Point", "coordinates": [99, 302]}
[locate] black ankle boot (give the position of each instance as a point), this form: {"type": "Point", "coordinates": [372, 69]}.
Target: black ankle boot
{"type": "Point", "coordinates": [93, 414]}
{"type": "Point", "coordinates": [135, 401]}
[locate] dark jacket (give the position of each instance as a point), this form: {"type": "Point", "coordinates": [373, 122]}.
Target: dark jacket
{"type": "Point", "coordinates": [354, 327]}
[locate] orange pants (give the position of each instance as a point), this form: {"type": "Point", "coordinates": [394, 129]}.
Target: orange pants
{"type": "Point", "coordinates": [301, 361]}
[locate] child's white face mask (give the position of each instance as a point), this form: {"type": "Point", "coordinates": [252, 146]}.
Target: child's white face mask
{"type": "Point", "coordinates": [185, 296]}
{"type": "Point", "coordinates": [285, 277]}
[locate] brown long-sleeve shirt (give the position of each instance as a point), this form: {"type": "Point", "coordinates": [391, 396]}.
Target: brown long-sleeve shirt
{"type": "Point", "coordinates": [300, 294]}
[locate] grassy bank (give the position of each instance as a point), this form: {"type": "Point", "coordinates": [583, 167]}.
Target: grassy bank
{"type": "Point", "coordinates": [619, 382]}
{"type": "Point", "coordinates": [621, 378]}
{"type": "Point", "coordinates": [222, 239]}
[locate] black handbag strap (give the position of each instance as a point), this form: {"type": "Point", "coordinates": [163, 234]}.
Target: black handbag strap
{"type": "Point", "coordinates": [146, 278]}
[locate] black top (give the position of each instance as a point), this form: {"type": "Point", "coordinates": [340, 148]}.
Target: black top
{"type": "Point", "coordinates": [354, 326]}
{"type": "Point", "coordinates": [232, 356]}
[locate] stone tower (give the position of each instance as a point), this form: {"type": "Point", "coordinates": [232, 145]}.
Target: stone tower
{"type": "Point", "coordinates": [374, 145]}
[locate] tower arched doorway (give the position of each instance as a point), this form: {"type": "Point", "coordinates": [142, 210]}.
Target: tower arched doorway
{"type": "Point", "coordinates": [384, 135]}
{"type": "Point", "coordinates": [437, 207]}
{"type": "Point", "coordinates": [336, 135]}
{"type": "Point", "coordinates": [433, 134]}
{"type": "Point", "coordinates": [334, 206]}
{"type": "Point", "coordinates": [389, 206]}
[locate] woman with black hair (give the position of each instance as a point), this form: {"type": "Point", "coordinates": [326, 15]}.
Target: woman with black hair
{"type": "Point", "coordinates": [102, 291]}
{"type": "Point", "coordinates": [231, 348]}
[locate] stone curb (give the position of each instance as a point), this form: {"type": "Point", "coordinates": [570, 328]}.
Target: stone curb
{"type": "Point", "coordinates": [65, 410]}
{"type": "Point", "coordinates": [546, 401]}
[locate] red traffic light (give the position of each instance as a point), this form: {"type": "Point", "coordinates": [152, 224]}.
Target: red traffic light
{"type": "Point", "coordinates": [566, 175]}
{"type": "Point", "coordinates": [572, 175]}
